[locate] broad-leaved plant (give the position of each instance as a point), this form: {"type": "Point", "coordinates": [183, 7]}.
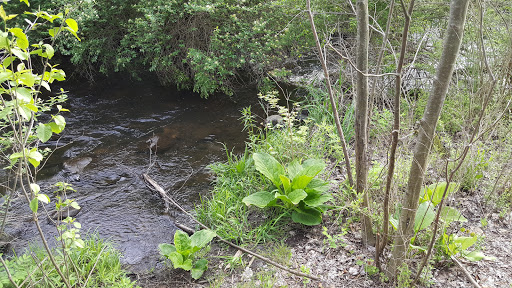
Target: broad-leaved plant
{"type": "Point", "coordinates": [295, 188]}
{"type": "Point", "coordinates": [184, 249]}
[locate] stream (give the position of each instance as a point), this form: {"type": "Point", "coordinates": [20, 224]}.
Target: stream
{"type": "Point", "coordinates": [105, 149]}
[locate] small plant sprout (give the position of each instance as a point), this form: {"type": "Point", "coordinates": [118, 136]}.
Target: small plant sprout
{"type": "Point", "coordinates": [182, 253]}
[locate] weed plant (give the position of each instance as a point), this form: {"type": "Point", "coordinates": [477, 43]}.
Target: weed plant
{"type": "Point", "coordinates": [95, 265]}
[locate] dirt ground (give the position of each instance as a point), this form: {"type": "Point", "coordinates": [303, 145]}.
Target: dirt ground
{"type": "Point", "coordinates": [343, 265]}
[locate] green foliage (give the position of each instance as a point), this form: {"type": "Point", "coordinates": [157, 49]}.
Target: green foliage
{"type": "Point", "coordinates": [224, 211]}
{"type": "Point", "coordinates": [334, 240]}
{"type": "Point", "coordinates": [184, 249]}
{"type": "Point", "coordinates": [97, 263]}
{"type": "Point", "coordinates": [454, 244]}
{"type": "Point", "coordinates": [473, 169]}
{"type": "Point", "coordinates": [296, 187]}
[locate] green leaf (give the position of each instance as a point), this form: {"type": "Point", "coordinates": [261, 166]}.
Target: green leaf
{"type": "Point", "coordinates": [22, 40]}
{"type": "Point", "coordinates": [44, 132]}
{"type": "Point", "coordinates": [394, 223]}
{"type": "Point", "coordinates": [293, 168]}
{"type": "Point", "coordinates": [72, 24]}
{"type": "Point", "coordinates": [269, 167]}
{"type": "Point", "coordinates": [178, 261]}
{"type": "Point", "coordinates": [199, 267]}
{"type": "Point", "coordinates": [49, 51]}
{"type": "Point", "coordinates": [259, 199]}
{"type": "Point", "coordinates": [5, 76]}
{"type": "Point", "coordinates": [182, 243]}
{"type": "Point", "coordinates": [56, 74]}
{"type": "Point", "coordinates": [201, 238]}
{"type": "Point", "coordinates": [24, 112]}
{"type": "Point", "coordinates": [286, 183]}
{"type": "Point", "coordinates": [46, 85]}
{"type": "Point", "coordinates": [35, 188]}
{"type": "Point", "coordinates": [27, 79]}
{"type": "Point", "coordinates": [464, 243]}
{"type": "Point", "coordinates": [439, 191]}
{"type": "Point", "coordinates": [317, 199]}
{"type": "Point", "coordinates": [421, 248]}
{"type": "Point", "coordinates": [58, 125]}
{"type": "Point", "coordinates": [30, 107]}
{"type": "Point", "coordinates": [424, 216]}
{"type": "Point", "coordinates": [318, 185]}
{"type": "Point", "coordinates": [19, 53]}
{"type": "Point", "coordinates": [477, 256]}
{"type": "Point", "coordinates": [34, 157]}
{"type": "Point", "coordinates": [307, 217]}
{"type": "Point", "coordinates": [312, 167]}
{"type": "Point", "coordinates": [297, 195]}
{"type": "Point", "coordinates": [284, 198]}
{"type": "Point", "coordinates": [3, 15]}
{"type": "Point", "coordinates": [5, 111]}
{"type": "Point", "coordinates": [24, 94]}
{"type": "Point", "coordinates": [4, 44]}
{"type": "Point", "coordinates": [166, 249]}
{"type": "Point", "coordinates": [43, 198]}
{"type": "Point", "coordinates": [75, 205]}
{"type": "Point", "coordinates": [7, 61]}
{"type": "Point", "coordinates": [449, 214]}
{"type": "Point", "coordinates": [73, 32]}
{"type": "Point", "coordinates": [301, 181]}
{"type": "Point", "coordinates": [34, 205]}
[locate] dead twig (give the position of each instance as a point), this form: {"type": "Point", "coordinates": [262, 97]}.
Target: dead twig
{"type": "Point", "coordinates": [471, 279]}
{"type": "Point", "coordinates": [167, 198]}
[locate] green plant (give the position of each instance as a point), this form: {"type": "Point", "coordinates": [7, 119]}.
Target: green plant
{"type": "Point", "coordinates": [296, 188]}
{"type": "Point", "coordinates": [454, 244]}
{"type": "Point", "coordinates": [97, 264]}
{"type": "Point", "coordinates": [306, 270]}
{"type": "Point", "coordinates": [473, 169]}
{"type": "Point", "coordinates": [183, 251]}
{"type": "Point", "coordinates": [404, 277]}
{"type": "Point", "coordinates": [431, 196]}
{"type": "Point", "coordinates": [334, 240]}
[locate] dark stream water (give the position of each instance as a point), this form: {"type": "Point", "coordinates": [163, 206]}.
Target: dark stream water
{"type": "Point", "coordinates": [107, 132]}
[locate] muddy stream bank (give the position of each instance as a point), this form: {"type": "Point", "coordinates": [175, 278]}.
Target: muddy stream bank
{"type": "Point", "coordinates": [104, 150]}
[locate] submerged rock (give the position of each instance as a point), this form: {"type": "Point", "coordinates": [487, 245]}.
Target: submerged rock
{"type": "Point", "coordinates": [75, 166]}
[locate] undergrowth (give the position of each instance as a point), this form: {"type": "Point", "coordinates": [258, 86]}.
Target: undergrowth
{"type": "Point", "coordinates": [95, 265]}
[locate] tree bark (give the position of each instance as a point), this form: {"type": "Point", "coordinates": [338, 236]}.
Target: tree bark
{"type": "Point", "coordinates": [451, 46]}
{"type": "Point", "coordinates": [361, 116]}
{"type": "Point", "coordinates": [394, 134]}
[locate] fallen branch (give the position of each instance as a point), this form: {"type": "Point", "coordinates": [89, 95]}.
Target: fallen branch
{"type": "Point", "coordinates": [471, 279]}
{"type": "Point", "coordinates": [162, 192]}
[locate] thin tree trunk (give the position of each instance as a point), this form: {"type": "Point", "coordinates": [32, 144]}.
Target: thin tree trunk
{"type": "Point", "coordinates": [331, 96]}
{"type": "Point", "coordinates": [451, 46]}
{"type": "Point", "coordinates": [394, 134]}
{"type": "Point", "coordinates": [361, 116]}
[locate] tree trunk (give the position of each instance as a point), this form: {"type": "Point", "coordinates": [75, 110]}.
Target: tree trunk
{"type": "Point", "coordinates": [361, 115]}
{"type": "Point", "coordinates": [458, 9]}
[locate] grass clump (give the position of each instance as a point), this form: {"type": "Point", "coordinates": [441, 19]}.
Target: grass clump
{"type": "Point", "coordinates": [224, 211]}
{"type": "Point", "coordinates": [95, 265]}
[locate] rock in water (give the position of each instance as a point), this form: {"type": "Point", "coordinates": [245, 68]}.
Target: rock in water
{"type": "Point", "coordinates": [73, 167]}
